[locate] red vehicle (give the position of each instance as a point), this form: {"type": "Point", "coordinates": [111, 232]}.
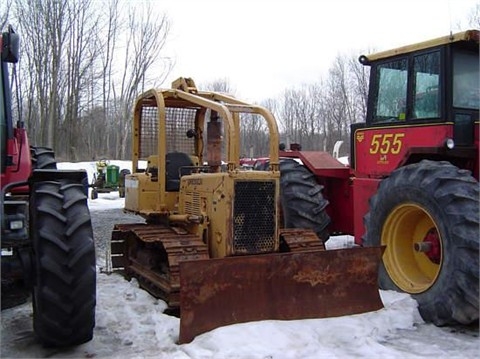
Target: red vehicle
{"type": "Point", "coordinates": [413, 180]}
{"type": "Point", "coordinates": [247, 161]}
{"type": "Point", "coordinates": [47, 238]}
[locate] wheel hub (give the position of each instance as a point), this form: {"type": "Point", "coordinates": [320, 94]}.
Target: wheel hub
{"type": "Point", "coordinates": [413, 254]}
{"type": "Point", "coordinates": [430, 246]}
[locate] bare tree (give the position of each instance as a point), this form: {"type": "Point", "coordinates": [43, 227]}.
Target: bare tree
{"type": "Point", "coordinates": [146, 37]}
{"type": "Point", "coordinates": [474, 17]}
{"type": "Point", "coordinates": [101, 111]}
{"type": "Point", "coordinates": [289, 122]}
{"type": "Point", "coordinates": [359, 76]}
{"type": "Point", "coordinates": [75, 62]}
{"type": "Point", "coordinates": [40, 21]}
{"type": "Point", "coordinates": [316, 115]}
{"type": "Point", "coordinates": [80, 56]}
{"type": "Point", "coordinates": [301, 114]}
{"type": "Point", "coordinates": [5, 7]}
{"type": "Point", "coordinates": [58, 53]}
{"type": "Point", "coordinates": [274, 106]}
{"type": "Point", "coordinates": [113, 28]}
{"type": "Point", "coordinates": [222, 85]}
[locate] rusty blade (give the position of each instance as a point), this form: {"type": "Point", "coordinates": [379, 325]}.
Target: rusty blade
{"type": "Point", "coordinates": [284, 286]}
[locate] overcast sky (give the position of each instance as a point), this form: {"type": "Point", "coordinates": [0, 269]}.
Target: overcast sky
{"type": "Point", "coordinates": [265, 46]}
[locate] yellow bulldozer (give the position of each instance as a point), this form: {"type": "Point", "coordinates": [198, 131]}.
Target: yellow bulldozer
{"type": "Point", "coordinates": [212, 244]}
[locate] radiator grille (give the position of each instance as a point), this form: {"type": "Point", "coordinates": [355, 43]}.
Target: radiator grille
{"type": "Point", "coordinates": [254, 213]}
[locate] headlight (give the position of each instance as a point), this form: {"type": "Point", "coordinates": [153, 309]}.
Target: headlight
{"type": "Point", "coordinates": [449, 143]}
{"type": "Point", "coordinates": [16, 224]}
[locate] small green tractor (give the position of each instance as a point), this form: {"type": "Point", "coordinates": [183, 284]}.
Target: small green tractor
{"type": "Point", "coordinates": [108, 178]}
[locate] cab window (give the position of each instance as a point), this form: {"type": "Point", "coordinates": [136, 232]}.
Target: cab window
{"type": "Point", "coordinates": [466, 89]}
{"type": "Point", "coordinates": [391, 92]}
{"type": "Point", "coordinates": [426, 77]}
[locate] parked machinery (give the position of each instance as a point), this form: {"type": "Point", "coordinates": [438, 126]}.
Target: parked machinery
{"type": "Point", "coordinates": [212, 245]}
{"type": "Point", "coordinates": [412, 184]}
{"type": "Point", "coordinates": [47, 238]}
{"type": "Point", "coordinates": [235, 245]}
{"type": "Point", "coordinates": [108, 178]}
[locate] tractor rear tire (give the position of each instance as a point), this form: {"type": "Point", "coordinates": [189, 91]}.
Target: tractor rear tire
{"type": "Point", "coordinates": [303, 204]}
{"type": "Point", "coordinates": [427, 215]}
{"type": "Point", "coordinates": [64, 290]}
{"type": "Point", "coordinates": [42, 158]}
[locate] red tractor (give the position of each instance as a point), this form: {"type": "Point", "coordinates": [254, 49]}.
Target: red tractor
{"type": "Point", "coordinates": [412, 184]}
{"type": "Point", "coordinates": [47, 238]}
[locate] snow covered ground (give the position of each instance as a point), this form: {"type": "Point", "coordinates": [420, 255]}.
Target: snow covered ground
{"type": "Point", "coordinates": [130, 324]}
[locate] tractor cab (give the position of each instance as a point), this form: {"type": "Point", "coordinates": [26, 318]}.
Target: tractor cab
{"type": "Point", "coordinates": [423, 104]}
{"type": "Point", "coordinates": [15, 163]}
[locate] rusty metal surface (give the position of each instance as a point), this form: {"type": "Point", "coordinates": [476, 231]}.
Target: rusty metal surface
{"type": "Point", "coordinates": [301, 240]}
{"type": "Point", "coordinates": [322, 160]}
{"type": "Point", "coordinates": [323, 164]}
{"type": "Point", "coordinates": [218, 292]}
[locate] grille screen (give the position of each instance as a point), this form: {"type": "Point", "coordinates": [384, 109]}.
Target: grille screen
{"type": "Point", "coordinates": [192, 203]}
{"type": "Point", "coordinates": [148, 132]}
{"type": "Point", "coordinates": [254, 213]}
{"type": "Point", "coordinates": [178, 121]}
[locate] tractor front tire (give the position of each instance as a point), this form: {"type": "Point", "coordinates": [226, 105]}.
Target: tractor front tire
{"type": "Point", "coordinates": [303, 204]}
{"type": "Point", "coordinates": [64, 290]}
{"type": "Point", "coordinates": [427, 216]}
{"type": "Point", "coordinates": [42, 158]}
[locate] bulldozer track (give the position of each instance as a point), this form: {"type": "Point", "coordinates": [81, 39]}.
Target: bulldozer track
{"type": "Point", "coordinates": [151, 253]}
{"type": "Point", "coordinates": [301, 240]}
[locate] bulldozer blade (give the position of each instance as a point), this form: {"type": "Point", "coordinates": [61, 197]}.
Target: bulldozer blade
{"type": "Point", "coordinates": [281, 286]}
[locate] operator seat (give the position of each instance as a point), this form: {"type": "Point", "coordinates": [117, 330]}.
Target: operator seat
{"type": "Point", "coordinates": [174, 163]}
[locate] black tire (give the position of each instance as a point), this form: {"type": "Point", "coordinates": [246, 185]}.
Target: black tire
{"type": "Point", "coordinates": [433, 205]}
{"type": "Point", "coordinates": [94, 194]}
{"type": "Point", "coordinates": [303, 204]}
{"type": "Point", "coordinates": [14, 291]}
{"type": "Point", "coordinates": [64, 288]}
{"type": "Point", "coordinates": [42, 158]}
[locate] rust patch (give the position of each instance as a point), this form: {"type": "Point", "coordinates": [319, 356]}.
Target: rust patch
{"type": "Point", "coordinates": [315, 277]}
{"type": "Point", "coordinates": [208, 291]}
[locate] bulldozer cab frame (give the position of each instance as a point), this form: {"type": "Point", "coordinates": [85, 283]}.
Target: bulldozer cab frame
{"type": "Point", "coordinates": [169, 142]}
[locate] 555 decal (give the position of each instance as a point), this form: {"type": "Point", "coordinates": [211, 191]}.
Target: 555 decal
{"type": "Point", "coordinates": [386, 143]}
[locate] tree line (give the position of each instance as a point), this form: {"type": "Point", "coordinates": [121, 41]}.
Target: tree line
{"type": "Point", "coordinates": [83, 63]}
{"type": "Point", "coordinates": [314, 115]}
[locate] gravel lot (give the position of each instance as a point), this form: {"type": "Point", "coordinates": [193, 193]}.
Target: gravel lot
{"type": "Point", "coordinates": [102, 223]}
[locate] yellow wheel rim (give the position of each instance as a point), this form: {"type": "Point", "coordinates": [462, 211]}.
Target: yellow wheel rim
{"type": "Point", "coordinates": [413, 257]}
